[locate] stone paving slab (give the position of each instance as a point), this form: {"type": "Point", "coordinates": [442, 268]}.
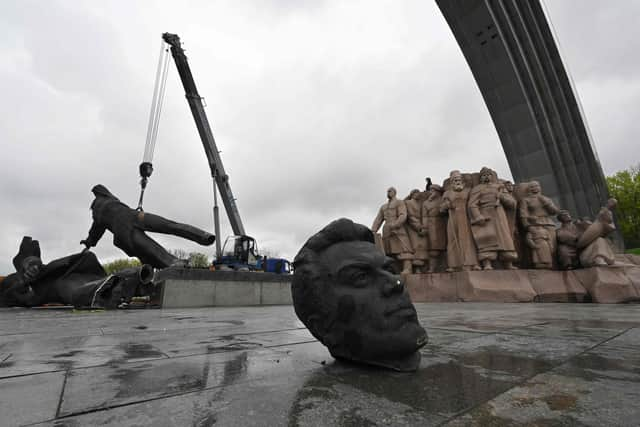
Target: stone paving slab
{"type": "Point", "coordinates": [485, 364]}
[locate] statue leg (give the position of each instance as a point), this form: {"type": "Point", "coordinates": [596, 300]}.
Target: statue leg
{"type": "Point", "coordinates": [158, 224]}
{"type": "Point", "coordinates": [485, 257]}
{"type": "Point", "coordinates": [508, 258]}
{"type": "Point", "coordinates": [150, 252]}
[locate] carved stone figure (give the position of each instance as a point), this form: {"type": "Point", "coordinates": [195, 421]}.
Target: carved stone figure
{"type": "Point", "coordinates": [77, 280]}
{"type": "Point", "coordinates": [489, 224]}
{"type": "Point", "coordinates": [539, 242]}
{"type": "Point", "coordinates": [346, 295]}
{"type": "Point", "coordinates": [394, 234]}
{"type": "Point", "coordinates": [567, 240]}
{"type": "Point", "coordinates": [537, 210]}
{"type": "Point", "coordinates": [461, 251]}
{"type": "Point", "coordinates": [594, 248]}
{"type": "Point", "coordinates": [435, 226]}
{"type": "Point", "coordinates": [415, 230]}
{"type": "Point", "coordinates": [129, 225]}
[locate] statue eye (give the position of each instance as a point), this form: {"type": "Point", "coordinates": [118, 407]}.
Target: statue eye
{"type": "Point", "coordinates": [359, 278]}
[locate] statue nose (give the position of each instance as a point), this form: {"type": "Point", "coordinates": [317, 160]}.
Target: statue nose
{"type": "Point", "coordinates": [392, 286]}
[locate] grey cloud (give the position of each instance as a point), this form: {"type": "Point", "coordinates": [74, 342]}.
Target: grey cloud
{"type": "Point", "coordinates": [317, 107]}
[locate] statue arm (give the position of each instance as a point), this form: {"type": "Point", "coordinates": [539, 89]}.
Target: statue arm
{"type": "Point", "coordinates": [415, 221]}
{"type": "Point", "coordinates": [475, 217]}
{"type": "Point", "coordinates": [549, 205]}
{"type": "Point", "coordinates": [508, 201]}
{"type": "Point", "coordinates": [95, 234]}
{"type": "Point", "coordinates": [524, 212]}
{"type": "Point", "coordinates": [530, 241]}
{"type": "Point", "coordinates": [377, 222]}
{"type": "Point", "coordinates": [402, 216]}
{"type": "Point", "coordinates": [445, 205]}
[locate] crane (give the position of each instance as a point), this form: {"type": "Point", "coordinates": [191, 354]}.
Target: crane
{"type": "Point", "coordinates": [244, 248]}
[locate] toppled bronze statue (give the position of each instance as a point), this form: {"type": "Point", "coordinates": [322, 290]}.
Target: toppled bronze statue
{"type": "Point", "coordinates": [77, 280]}
{"type": "Point", "coordinates": [346, 294]}
{"type": "Point", "coordinates": [129, 226]}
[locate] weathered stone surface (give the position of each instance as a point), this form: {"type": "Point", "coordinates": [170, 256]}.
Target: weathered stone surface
{"type": "Point", "coordinates": [607, 284]}
{"type": "Point", "coordinates": [633, 274]}
{"type": "Point", "coordinates": [495, 286]}
{"type": "Point", "coordinates": [556, 286]}
{"type": "Point", "coordinates": [436, 287]}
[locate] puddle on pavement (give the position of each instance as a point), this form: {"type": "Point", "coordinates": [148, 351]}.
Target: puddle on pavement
{"type": "Point", "coordinates": [134, 351]}
{"type": "Point", "coordinates": [594, 367]}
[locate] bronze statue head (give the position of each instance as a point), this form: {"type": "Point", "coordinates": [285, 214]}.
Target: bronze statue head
{"type": "Point", "coordinates": [345, 292]}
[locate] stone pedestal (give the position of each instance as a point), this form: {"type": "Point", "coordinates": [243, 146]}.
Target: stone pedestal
{"type": "Point", "coordinates": [495, 286]}
{"type": "Point", "coordinates": [616, 284]}
{"type": "Point", "coordinates": [436, 287]}
{"type": "Point", "coordinates": [556, 286]}
{"type": "Point", "coordinates": [608, 284]}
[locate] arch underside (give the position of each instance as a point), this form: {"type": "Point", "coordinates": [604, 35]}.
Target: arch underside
{"type": "Point", "coordinates": [514, 59]}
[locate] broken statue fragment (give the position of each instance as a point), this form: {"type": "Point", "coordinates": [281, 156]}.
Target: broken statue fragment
{"type": "Point", "coordinates": [346, 294]}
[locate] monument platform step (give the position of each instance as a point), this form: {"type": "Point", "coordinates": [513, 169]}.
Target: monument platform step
{"type": "Point", "coordinates": [611, 284]}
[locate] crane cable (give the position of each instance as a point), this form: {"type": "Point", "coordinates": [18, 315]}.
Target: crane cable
{"type": "Point", "coordinates": [146, 167]}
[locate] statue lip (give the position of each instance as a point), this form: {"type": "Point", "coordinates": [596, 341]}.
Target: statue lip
{"type": "Point", "coordinates": [402, 309]}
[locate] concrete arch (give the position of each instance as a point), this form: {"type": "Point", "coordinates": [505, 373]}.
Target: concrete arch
{"type": "Point", "coordinates": [514, 58]}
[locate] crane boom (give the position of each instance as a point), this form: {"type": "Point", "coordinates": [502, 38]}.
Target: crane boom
{"type": "Point", "coordinates": [209, 143]}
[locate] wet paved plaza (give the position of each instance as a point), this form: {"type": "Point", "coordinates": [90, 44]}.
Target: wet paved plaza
{"type": "Point", "coordinates": [485, 364]}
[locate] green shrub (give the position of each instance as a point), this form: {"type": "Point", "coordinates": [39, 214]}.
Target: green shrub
{"type": "Point", "coordinates": [625, 187]}
{"type": "Point", "coordinates": [121, 264]}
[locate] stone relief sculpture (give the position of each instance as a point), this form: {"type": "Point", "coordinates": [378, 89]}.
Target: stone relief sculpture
{"type": "Point", "coordinates": [567, 241]}
{"type": "Point", "coordinates": [537, 210]}
{"type": "Point", "coordinates": [461, 251]}
{"type": "Point", "coordinates": [415, 230]}
{"type": "Point", "coordinates": [540, 242]}
{"type": "Point", "coordinates": [394, 233]}
{"type": "Point", "coordinates": [489, 223]}
{"type": "Point", "coordinates": [77, 280]}
{"type": "Point", "coordinates": [129, 226]}
{"type": "Point", "coordinates": [435, 226]}
{"type": "Point", "coordinates": [346, 294]}
{"type": "Point", "coordinates": [594, 248]}
{"type": "Point", "coordinates": [478, 218]}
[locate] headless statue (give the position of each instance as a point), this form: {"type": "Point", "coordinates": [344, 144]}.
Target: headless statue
{"type": "Point", "coordinates": [129, 226]}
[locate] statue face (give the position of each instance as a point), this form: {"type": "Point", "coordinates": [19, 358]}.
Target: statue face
{"type": "Point", "coordinates": [457, 183]}
{"type": "Point", "coordinates": [534, 188]}
{"type": "Point", "coordinates": [374, 318]}
{"type": "Point", "coordinates": [31, 266]}
{"type": "Point", "coordinates": [485, 177]}
{"type": "Point", "coordinates": [564, 217]}
{"type": "Point", "coordinates": [508, 185]}
{"type": "Point", "coordinates": [391, 193]}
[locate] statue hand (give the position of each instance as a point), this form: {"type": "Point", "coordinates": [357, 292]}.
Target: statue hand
{"type": "Point", "coordinates": [86, 243]}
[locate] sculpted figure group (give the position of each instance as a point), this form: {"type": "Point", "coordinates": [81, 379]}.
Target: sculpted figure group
{"type": "Point", "coordinates": [482, 222]}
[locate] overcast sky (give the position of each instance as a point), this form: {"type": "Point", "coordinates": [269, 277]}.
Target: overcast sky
{"type": "Point", "coordinates": [317, 106]}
